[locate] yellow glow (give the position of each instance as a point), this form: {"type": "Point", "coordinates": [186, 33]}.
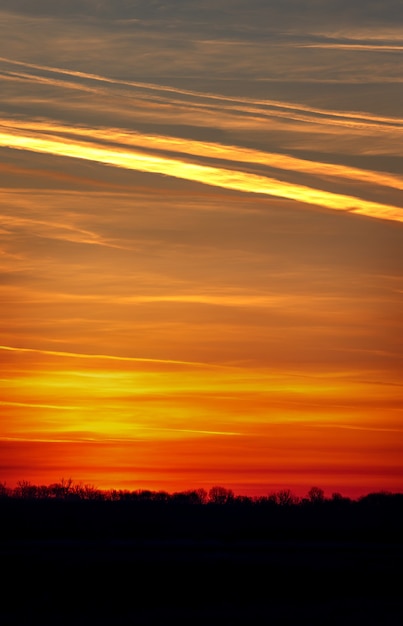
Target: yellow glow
{"type": "Point", "coordinates": [193, 425]}
{"type": "Point", "coordinates": [215, 176]}
{"type": "Point", "coordinates": [212, 150]}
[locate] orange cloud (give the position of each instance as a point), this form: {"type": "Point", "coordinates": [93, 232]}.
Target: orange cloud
{"type": "Point", "coordinates": [178, 168]}
{"type": "Point", "coordinates": [163, 143]}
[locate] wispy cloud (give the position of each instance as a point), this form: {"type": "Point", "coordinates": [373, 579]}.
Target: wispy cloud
{"type": "Point", "coordinates": [103, 357]}
{"type": "Point", "coordinates": [56, 230]}
{"type": "Point", "coordinates": [36, 405]}
{"type": "Point", "coordinates": [372, 47]}
{"type": "Point", "coordinates": [264, 107]}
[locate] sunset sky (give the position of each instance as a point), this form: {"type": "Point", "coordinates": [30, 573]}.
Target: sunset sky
{"type": "Point", "coordinates": [201, 244]}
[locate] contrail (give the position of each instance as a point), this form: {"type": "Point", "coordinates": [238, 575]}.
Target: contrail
{"type": "Point", "coordinates": [350, 46]}
{"type": "Point", "coordinates": [205, 174]}
{"type": "Point", "coordinates": [31, 405]}
{"type": "Point", "coordinates": [209, 96]}
{"type": "Point", "coordinates": [108, 357]}
{"type": "Point", "coordinates": [256, 108]}
{"type": "Point", "coordinates": [208, 149]}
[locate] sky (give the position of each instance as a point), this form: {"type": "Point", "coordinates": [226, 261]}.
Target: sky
{"type": "Point", "coordinates": [201, 244]}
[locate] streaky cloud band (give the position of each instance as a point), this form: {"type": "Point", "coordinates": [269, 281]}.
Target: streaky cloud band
{"type": "Point", "coordinates": [275, 106]}
{"type": "Point", "coordinates": [107, 357]}
{"type": "Point", "coordinates": [232, 179]}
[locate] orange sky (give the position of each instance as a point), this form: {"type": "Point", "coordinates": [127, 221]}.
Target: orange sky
{"type": "Point", "coordinates": [201, 263]}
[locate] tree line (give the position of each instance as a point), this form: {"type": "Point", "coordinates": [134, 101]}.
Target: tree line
{"type": "Point", "coordinates": [69, 510]}
{"type": "Point", "coordinates": [67, 489]}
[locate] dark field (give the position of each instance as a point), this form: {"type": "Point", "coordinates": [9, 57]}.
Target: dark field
{"type": "Point", "coordinates": [151, 563]}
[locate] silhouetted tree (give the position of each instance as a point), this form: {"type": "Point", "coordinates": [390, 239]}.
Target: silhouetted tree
{"type": "Point", "coordinates": [61, 489]}
{"type": "Point", "coordinates": [376, 499]}
{"type": "Point", "coordinates": [192, 496]}
{"type": "Point", "coordinates": [220, 495]}
{"type": "Point", "coordinates": [316, 495]}
{"type": "Point", "coordinates": [143, 495]}
{"type": "Point", "coordinates": [161, 496]}
{"type": "Point", "coordinates": [285, 497]}
{"type": "Point", "coordinates": [271, 499]}
{"type": "Point", "coordinates": [88, 492]}
{"type": "Point", "coordinates": [202, 495]}
{"type": "Point", "coordinates": [25, 489]}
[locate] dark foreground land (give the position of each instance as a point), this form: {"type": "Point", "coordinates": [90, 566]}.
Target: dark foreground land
{"type": "Point", "coordinates": [97, 563]}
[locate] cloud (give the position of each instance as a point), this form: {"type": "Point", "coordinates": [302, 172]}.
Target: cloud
{"type": "Point", "coordinates": [50, 143]}
{"type": "Point", "coordinates": [246, 13]}
{"type": "Point", "coordinates": [256, 107]}
{"type": "Point", "coordinates": [102, 357]}
{"type": "Point", "coordinates": [210, 150]}
{"type": "Point", "coordinates": [55, 230]}
{"type": "Point", "coordinates": [240, 103]}
{"type": "Point", "coordinates": [345, 45]}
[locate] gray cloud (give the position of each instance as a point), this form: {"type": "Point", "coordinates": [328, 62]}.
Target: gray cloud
{"type": "Point", "coordinates": [260, 14]}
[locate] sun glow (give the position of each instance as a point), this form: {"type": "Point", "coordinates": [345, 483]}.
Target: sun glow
{"type": "Point", "coordinates": [201, 247]}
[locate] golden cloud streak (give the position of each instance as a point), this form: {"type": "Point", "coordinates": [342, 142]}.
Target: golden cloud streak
{"type": "Point", "coordinates": [32, 405]}
{"type": "Point", "coordinates": [214, 150]}
{"type": "Point", "coordinates": [197, 431]}
{"type": "Point", "coordinates": [205, 174]}
{"type": "Point", "coordinates": [105, 357]}
{"type": "Point", "coordinates": [227, 300]}
{"type": "Point", "coordinates": [352, 46]}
